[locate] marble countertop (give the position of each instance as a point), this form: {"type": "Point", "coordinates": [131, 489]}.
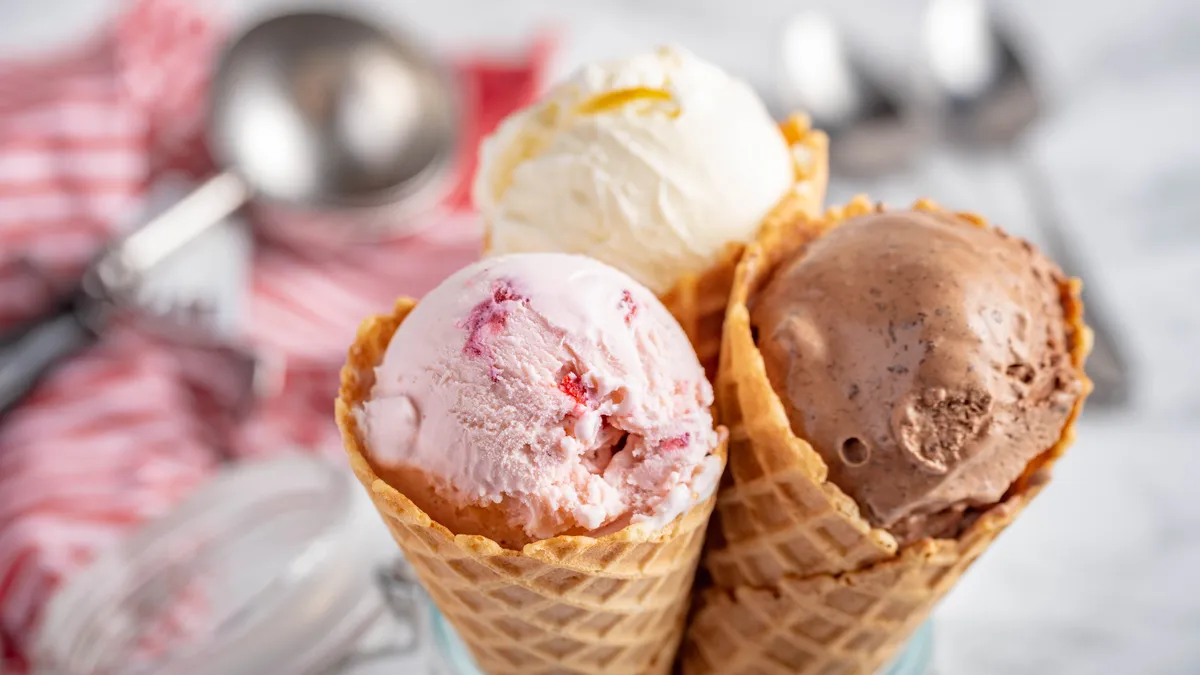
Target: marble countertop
{"type": "Point", "coordinates": [1099, 576]}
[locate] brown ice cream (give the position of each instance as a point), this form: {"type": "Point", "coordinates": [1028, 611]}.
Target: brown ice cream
{"type": "Point", "coordinates": [924, 357]}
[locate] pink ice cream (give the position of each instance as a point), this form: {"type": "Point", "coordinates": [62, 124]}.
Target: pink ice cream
{"type": "Point", "coordinates": [534, 395]}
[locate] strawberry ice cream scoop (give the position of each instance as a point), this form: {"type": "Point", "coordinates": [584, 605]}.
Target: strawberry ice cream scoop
{"type": "Point", "coordinates": [534, 395]}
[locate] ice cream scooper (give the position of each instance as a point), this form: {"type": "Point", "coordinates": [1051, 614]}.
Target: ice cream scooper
{"type": "Point", "coordinates": [308, 110]}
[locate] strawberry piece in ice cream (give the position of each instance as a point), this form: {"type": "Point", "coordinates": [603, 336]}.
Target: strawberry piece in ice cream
{"type": "Point", "coordinates": [534, 395]}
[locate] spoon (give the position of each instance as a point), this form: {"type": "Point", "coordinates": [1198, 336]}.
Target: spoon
{"type": "Point", "coordinates": [870, 131]}
{"type": "Point", "coordinates": [308, 109]}
{"type": "Point", "coordinates": [989, 100]}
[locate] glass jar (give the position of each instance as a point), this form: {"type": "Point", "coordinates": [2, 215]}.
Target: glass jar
{"type": "Point", "coordinates": [268, 568]}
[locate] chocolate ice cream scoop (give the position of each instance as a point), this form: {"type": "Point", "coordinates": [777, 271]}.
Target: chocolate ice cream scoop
{"type": "Point", "coordinates": [925, 358]}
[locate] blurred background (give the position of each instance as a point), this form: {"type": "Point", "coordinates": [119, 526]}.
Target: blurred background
{"type": "Point", "coordinates": [100, 111]}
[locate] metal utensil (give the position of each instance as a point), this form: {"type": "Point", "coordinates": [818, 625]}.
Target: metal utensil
{"type": "Point", "coordinates": [870, 130]}
{"type": "Point", "coordinates": [989, 99]}
{"type": "Point", "coordinates": [308, 109]}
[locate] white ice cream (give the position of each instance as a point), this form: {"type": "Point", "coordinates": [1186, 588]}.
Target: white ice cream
{"type": "Point", "coordinates": [651, 164]}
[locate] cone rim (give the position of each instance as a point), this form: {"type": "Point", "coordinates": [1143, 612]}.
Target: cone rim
{"type": "Point", "coordinates": [776, 242]}
{"type": "Point", "coordinates": [356, 379]}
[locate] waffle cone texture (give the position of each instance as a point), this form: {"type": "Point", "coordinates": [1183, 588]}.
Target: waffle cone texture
{"type": "Point", "coordinates": [797, 580]}
{"type": "Point", "coordinates": [570, 604]}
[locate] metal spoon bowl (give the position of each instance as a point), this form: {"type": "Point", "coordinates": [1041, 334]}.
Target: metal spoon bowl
{"type": "Point", "coordinates": [324, 110]}
{"type": "Point", "coordinates": [870, 129]}
{"type": "Point", "coordinates": [311, 109]}
{"type": "Point", "coordinates": [307, 109]}
{"type": "Point", "coordinates": [986, 94]}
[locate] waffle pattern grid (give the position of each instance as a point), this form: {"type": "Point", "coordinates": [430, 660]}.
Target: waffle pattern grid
{"type": "Point", "coordinates": [829, 624]}
{"type": "Point", "coordinates": [800, 581]}
{"type": "Point", "coordinates": [595, 609]}
{"type": "Point", "coordinates": [573, 605]}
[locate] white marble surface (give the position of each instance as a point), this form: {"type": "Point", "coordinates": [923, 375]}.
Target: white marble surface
{"type": "Point", "coordinates": [1099, 577]}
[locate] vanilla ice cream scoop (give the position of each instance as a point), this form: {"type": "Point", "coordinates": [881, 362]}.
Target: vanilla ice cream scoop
{"type": "Point", "coordinates": [652, 164]}
{"type": "Point", "coordinates": [534, 395]}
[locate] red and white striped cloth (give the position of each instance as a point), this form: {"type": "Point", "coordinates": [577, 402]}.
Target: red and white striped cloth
{"type": "Point", "coordinates": [124, 431]}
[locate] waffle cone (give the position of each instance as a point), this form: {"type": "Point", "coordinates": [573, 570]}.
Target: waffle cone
{"type": "Point", "coordinates": [698, 300]}
{"type": "Point", "coordinates": [799, 581]}
{"type": "Point", "coordinates": [570, 604]}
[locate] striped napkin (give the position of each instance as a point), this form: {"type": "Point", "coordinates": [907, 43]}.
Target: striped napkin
{"type": "Point", "coordinates": [124, 431]}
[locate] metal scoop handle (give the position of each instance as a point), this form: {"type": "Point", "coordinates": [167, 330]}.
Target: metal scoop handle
{"type": "Point", "coordinates": [126, 262]}
{"type": "Point", "coordinates": [32, 349]}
